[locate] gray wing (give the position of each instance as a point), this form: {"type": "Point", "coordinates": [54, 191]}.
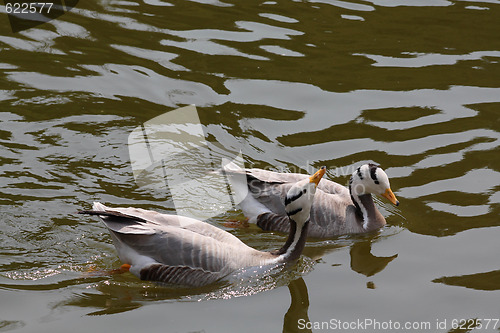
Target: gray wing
{"type": "Point", "coordinates": [330, 215]}
{"type": "Point", "coordinates": [328, 218]}
{"type": "Point", "coordinates": [330, 212]}
{"type": "Point", "coordinates": [325, 185]}
{"type": "Point", "coordinates": [177, 247]}
{"type": "Point", "coordinates": [175, 256]}
{"type": "Point", "coordinates": [170, 248]}
{"type": "Point", "coordinates": [179, 275]}
{"type": "Point", "coordinates": [270, 188]}
{"type": "Point", "coordinates": [276, 177]}
{"type": "Point", "coordinates": [272, 195]}
{"type": "Point", "coordinates": [152, 220]}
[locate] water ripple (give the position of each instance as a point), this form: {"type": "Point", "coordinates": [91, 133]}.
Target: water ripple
{"type": "Point", "coordinates": [411, 85]}
{"type": "Point", "coordinates": [416, 60]}
{"type": "Point", "coordinates": [112, 81]}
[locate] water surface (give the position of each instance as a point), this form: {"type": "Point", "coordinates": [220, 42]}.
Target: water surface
{"type": "Point", "coordinates": [410, 85]}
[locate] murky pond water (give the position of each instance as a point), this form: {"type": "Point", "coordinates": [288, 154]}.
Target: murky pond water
{"type": "Point", "coordinates": [411, 85]}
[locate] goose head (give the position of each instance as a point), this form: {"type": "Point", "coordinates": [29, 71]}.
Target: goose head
{"type": "Point", "coordinates": [371, 179]}
{"type": "Point", "coordinates": [300, 197]}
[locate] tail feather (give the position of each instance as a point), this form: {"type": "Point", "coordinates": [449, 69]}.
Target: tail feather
{"type": "Point", "coordinates": [98, 206]}
{"type": "Point", "coordinates": [233, 167]}
{"type": "Point", "coordinates": [111, 214]}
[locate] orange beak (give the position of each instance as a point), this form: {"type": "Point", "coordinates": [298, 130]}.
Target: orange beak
{"type": "Point", "coordinates": [317, 176]}
{"type": "Point", "coordinates": [390, 196]}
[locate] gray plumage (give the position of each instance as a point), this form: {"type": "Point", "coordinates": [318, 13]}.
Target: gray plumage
{"type": "Point", "coordinates": [175, 249]}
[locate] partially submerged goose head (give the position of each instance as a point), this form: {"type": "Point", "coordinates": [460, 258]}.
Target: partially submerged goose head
{"type": "Point", "coordinates": [300, 197]}
{"type": "Point", "coordinates": [371, 179]}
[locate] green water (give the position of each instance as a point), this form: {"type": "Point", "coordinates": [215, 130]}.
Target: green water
{"type": "Point", "coordinates": [411, 85]}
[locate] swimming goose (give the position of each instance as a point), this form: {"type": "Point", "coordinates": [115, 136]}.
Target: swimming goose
{"type": "Point", "coordinates": [180, 250]}
{"type": "Point", "coordinates": [336, 210]}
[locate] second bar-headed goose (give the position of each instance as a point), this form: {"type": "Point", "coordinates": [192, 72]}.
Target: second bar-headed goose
{"type": "Point", "coordinates": [336, 210]}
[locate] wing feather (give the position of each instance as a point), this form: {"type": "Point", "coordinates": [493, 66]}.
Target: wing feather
{"type": "Point", "coordinates": [179, 275]}
{"type": "Point", "coordinates": [145, 238]}
{"type": "Point", "coordinates": [328, 213]}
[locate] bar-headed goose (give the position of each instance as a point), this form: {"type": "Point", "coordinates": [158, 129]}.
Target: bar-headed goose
{"type": "Point", "coordinates": [336, 210]}
{"type": "Point", "coordinates": [180, 250]}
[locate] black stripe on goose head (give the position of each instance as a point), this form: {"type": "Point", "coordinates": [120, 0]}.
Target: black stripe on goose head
{"type": "Point", "coordinates": [373, 172]}
{"type": "Point", "coordinates": [360, 175]}
{"type": "Point", "coordinates": [293, 212]}
{"type": "Point", "coordinates": [289, 200]}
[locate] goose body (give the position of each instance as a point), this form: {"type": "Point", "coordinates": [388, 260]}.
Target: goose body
{"type": "Point", "coordinates": [336, 210]}
{"type": "Point", "coordinates": [184, 251]}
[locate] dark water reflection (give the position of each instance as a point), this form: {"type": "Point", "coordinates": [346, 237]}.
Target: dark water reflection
{"type": "Point", "coordinates": [478, 281]}
{"type": "Point", "coordinates": [411, 85]}
{"type": "Point", "coordinates": [364, 262]}
{"type": "Point", "coordinates": [299, 305]}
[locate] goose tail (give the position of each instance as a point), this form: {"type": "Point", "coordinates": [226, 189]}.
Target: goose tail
{"type": "Point", "coordinates": [238, 181]}
{"type": "Point", "coordinates": [99, 207]}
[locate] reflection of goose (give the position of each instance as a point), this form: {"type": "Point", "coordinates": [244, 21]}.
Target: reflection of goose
{"type": "Point", "coordinates": [180, 250]}
{"type": "Point", "coordinates": [479, 281]}
{"type": "Point", "coordinates": [297, 312]}
{"type": "Point", "coordinates": [364, 262]}
{"type": "Point", "coordinates": [336, 210]}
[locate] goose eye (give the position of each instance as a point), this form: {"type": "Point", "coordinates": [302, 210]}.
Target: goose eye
{"type": "Point", "coordinates": [304, 191]}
